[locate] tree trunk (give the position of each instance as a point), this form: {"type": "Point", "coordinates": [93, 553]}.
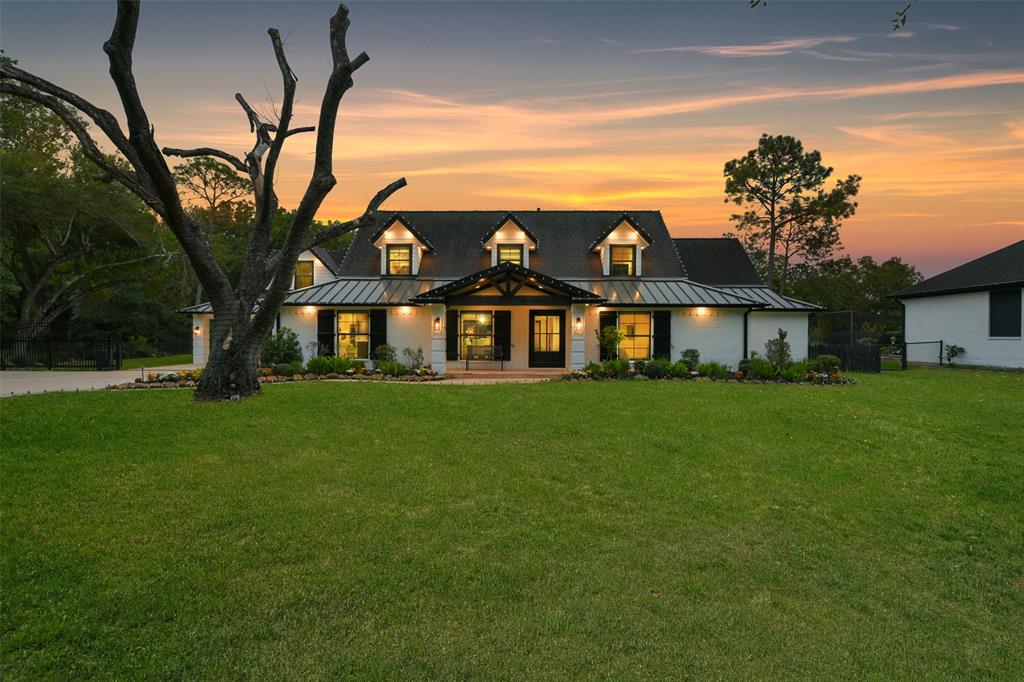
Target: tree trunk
{"type": "Point", "coordinates": [229, 375]}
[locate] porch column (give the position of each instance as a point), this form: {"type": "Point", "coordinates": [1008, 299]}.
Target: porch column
{"type": "Point", "coordinates": [438, 354]}
{"type": "Point", "coordinates": [579, 335]}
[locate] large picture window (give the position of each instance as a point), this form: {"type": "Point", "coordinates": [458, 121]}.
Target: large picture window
{"type": "Point", "coordinates": [510, 253]}
{"type": "Point", "coordinates": [354, 334]}
{"type": "Point", "coordinates": [623, 260]}
{"type": "Point", "coordinates": [476, 333]}
{"type": "Point", "coordinates": [1004, 313]}
{"type": "Point", "coordinates": [399, 259]}
{"type": "Point", "coordinates": [303, 274]}
{"type": "Point", "coordinates": [637, 343]}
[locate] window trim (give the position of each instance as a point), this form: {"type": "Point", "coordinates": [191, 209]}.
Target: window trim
{"type": "Point", "coordinates": [519, 247]}
{"type": "Point", "coordinates": [1020, 321]}
{"type": "Point", "coordinates": [387, 259]}
{"type": "Point", "coordinates": [312, 274]}
{"type": "Point", "coordinates": [611, 259]}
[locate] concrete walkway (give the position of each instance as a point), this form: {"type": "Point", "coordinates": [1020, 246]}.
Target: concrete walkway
{"type": "Point", "coordinates": [14, 382]}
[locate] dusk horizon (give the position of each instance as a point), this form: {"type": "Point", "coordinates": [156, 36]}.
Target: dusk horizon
{"type": "Point", "coordinates": [515, 106]}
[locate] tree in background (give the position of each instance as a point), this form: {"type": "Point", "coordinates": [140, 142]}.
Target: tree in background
{"type": "Point", "coordinates": [788, 214]}
{"type": "Point", "coordinates": [64, 233]}
{"type": "Point", "coordinates": [237, 332]}
{"type": "Point", "coordinates": [863, 285]}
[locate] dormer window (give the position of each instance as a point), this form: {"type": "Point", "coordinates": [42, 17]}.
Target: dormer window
{"type": "Point", "coordinates": [623, 260]}
{"type": "Point", "coordinates": [620, 248]}
{"type": "Point", "coordinates": [303, 274]}
{"type": "Point", "coordinates": [399, 259]}
{"type": "Point", "coordinates": [510, 253]}
{"type": "Point", "coordinates": [401, 248]}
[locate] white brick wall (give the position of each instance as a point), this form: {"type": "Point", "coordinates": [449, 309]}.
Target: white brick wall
{"type": "Point", "coordinates": [961, 319]}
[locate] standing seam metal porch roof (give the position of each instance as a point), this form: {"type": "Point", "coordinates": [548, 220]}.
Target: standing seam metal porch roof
{"type": "Point", "coordinates": [652, 292]}
{"type": "Point", "coordinates": [773, 301]}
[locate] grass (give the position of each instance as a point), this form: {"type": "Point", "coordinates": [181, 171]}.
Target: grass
{"type": "Point", "coordinates": [638, 530]}
{"type": "Point", "coordinates": [163, 361]}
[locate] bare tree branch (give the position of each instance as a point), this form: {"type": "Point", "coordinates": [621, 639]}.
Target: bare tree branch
{"type": "Point", "coordinates": [208, 151]}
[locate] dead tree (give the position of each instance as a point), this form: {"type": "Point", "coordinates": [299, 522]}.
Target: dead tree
{"type": "Point", "coordinates": [244, 314]}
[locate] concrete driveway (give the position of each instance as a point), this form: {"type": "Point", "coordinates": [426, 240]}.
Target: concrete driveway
{"type": "Point", "coordinates": [14, 382]}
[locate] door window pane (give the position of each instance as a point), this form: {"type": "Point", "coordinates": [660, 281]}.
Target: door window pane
{"type": "Point", "coordinates": [547, 334]}
{"type": "Point", "coordinates": [354, 334]}
{"type": "Point", "coordinates": [623, 260]}
{"type": "Point", "coordinates": [637, 343]}
{"type": "Point", "coordinates": [477, 333]}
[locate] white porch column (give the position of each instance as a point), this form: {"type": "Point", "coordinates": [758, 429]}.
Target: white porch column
{"type": "Point", "coordinates": [579, 335]}
{"type": "Point", "coordinates": [438, 351]}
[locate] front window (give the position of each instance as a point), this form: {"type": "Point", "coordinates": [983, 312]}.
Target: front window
{"type": "Point", "coordinates": [354, 334]}
{"type": "Point", "coordinates": [623, 260]}
{"type": "Point", "coordinates": [1004, 313]}
{"type": "Point", "coordinates": [477, 333]}
{"type": "Point", "coordinates": [510, 253]}
{"type": "Point", "coordinates": [637, 343]}
{"type": "Point", "coordinates": [399, 259]}
{"type": "Point", "coordinates": [303, 274]}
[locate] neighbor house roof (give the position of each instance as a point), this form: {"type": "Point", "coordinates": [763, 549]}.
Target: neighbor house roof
{"type": "Point", "coordinates": [716, 260]}
{"type": "Point", "coordinates": [1004, 267]}
{"type": "Point", "coordinates": [564, 239]}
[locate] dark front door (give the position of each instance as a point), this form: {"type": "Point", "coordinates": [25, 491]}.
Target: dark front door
{"type": "Point", "coordinates": [547, 338]}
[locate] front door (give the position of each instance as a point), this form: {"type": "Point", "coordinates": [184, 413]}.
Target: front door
{"type": "Point", "coordinates": [547, 338]}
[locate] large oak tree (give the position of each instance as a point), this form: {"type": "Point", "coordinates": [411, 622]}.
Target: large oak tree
{"type": "Point", "coordinates": [244, 312]}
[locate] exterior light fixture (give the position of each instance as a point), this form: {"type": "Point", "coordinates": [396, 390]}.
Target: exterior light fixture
{"type": "Point", "coordinates": [702, 312]}
{"type": "Point", "coordinates": [579, 324]}
{"type": "Point", "coordinates": [309, 310]}
{"type": "Point", "coordinates": [437, 324]}
{"type": "Point", "coordinates": [197, 330]}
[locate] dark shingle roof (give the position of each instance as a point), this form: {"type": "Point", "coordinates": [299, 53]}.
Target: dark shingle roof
{"type": "Point", "coordinates": [623, 218]}
{"type": "Point", "coordinates": [327, 258]}
{"type": "Point", "coordinates": [716, 260]}
{"type": "Point", "coordinates": [564, 237]}
{"type": "Point", "coordinates": [999, 268]}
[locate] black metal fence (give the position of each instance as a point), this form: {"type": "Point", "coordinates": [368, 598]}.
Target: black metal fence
{"type": "Point", "coordinates": [858, 357]}
{"type": "Point", "coordinates": [29, 347]}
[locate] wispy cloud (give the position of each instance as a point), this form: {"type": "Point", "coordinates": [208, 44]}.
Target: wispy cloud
{"type": "Point", "coordinates": [941, 27]}
{"type": "Point", "coordinates": [774, 48]}
{"type": "Point", "coordinates": [611, 41]}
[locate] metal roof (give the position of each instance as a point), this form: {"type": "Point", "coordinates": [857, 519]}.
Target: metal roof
{"type": "Point", "coordinates": [351, 291]}
{"type": "Point", "coordinates": [773, 300]}
{"type": "Point", "coordinates": [662, 292]}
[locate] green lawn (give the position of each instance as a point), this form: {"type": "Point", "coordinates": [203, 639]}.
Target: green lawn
{"type": "Point", "coordinates": [163, 361]}
{"type": "Point", "coordinates": [614, 530]}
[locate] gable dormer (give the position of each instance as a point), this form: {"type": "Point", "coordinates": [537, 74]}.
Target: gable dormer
{"type": "Point", "coordinates": [621, 248]}
{"type": "Point", "coordinates": [401, 248]}
{"type": "Point", "coordinates": [510, 242]}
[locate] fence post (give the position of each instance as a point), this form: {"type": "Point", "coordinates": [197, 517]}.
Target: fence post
{"type": "Point", "coordinates": [940, 352]}
{"type": "Point", "coordinates": [903, 360]}
{"type": "Point", "coordinates": [49, 351]}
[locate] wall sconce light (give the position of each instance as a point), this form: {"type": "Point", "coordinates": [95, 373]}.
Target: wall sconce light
{"type": "Point", "coordinates": [437, 324]}
{"type": "Point", "coordinates": [197, 330]}
{"type": "Point", "coordinates": [309, 310]}
{"type": "Point", "coordinates": [579, 324]}
{"type": "Point", "coordinates": [702, 312]}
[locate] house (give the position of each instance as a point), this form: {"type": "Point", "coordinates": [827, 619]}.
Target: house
{"type": "Point", "coordinates": [976, 305]}
{"type": "Point", "coordinates": [528, 289]}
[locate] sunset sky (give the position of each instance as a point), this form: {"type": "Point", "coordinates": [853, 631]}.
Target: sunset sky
{"type": "Point", "coordinates": [600, 105]}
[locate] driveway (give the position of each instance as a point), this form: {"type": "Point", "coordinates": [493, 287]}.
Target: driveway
{"type": "Point", "coordinates": [15, 382]}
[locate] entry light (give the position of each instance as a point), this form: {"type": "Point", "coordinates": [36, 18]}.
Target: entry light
{"type": "Point", "coordinates": [197, 330]}
{"type": "Point", "coordinates": [579, 324]}
{"type": "Point", "coordinates": [437, 324]}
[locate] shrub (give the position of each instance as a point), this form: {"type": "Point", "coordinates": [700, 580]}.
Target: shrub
{"type": "Point", "coordinates": [616, 368]}
{"type": "Point", "coordinates": [281, 348]}
{"type": "Point", "coordinates": [609, 339]}
{"type": "Point", "coordinates": [691, 356]}
{"type": "Point", "coordinates": [762, 369]}
{"type": "Point", "coordinates": [638, 366]}
{"type": "Point", "coordinates": [954, 351]}
{"type": "Point", "coordinates": [825, 363]}
{"type": "Point", "coordinates": [413, 358]}
{"type": "Point", "coordinates": [138, 347]}
{"type": "Point", "coordinates": [392, 369]}
{"type": "Point", "coordinates": [656, 369]}
{"type": "Point", "coordinates": [715, 370]}
{"type": "Point", "coordinates": [777, 350]}
{"type": "Point", "coordinates": [385, 352]}
{"type": "Point", "coordinates": [593, 369]}
{"type": "Point", "coordinates": [794, 372]}
{"type": "Point", "coordinates": [680, 369]}
{"type": "Point", "coordinates": [319, 365]}
{"type": "Point", "coordinates": [283, 369]}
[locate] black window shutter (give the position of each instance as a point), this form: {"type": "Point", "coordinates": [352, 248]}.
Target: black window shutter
{"type": "Point", "coordinates": [609, 318]}
{"type": "Point", "coordinates": [378, 329]}
{"type": "Point", "coordinates": [1004, 313]}
{"type": "Point", "coordinates": [662, 334]}
{"type": "Point", "coordinates": [452, 335]}
{"type": "Point", "coordinates": [326, 332]}
{"type": "Point", "coordinates": [503, 332]}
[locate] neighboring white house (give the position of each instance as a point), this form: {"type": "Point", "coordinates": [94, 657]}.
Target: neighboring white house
{"type": "Point", "coordinates": [528, 290]}
{"type": "Point", "coordinates": [977, 305]}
